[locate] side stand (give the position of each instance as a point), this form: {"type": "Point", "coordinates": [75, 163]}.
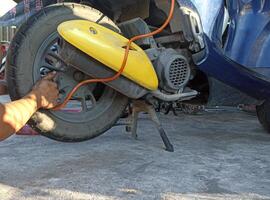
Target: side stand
{"type": "Point", "coordinates": [142, 106]}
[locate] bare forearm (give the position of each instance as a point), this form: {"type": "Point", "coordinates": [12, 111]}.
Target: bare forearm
{"type": "Point", "coordinates": [16, 114]}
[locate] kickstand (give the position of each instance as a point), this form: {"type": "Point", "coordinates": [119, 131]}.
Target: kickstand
{"type": "Point", "coordinates": [142, 106]}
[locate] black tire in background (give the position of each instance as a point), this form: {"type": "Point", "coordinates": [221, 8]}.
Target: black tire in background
{"type": "Point", "coordinates": [263, 113]}
{"type": "Point", "coordinates": [21, 65]}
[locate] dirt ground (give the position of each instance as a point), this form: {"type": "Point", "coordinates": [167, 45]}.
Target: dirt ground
{"type": "Point", "coordinates": [217, 156]}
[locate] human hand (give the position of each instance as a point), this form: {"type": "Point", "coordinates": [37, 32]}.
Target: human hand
{"type": "Point", "coordinates": [46, 92]}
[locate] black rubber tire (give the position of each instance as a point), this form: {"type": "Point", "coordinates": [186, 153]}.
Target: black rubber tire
{"type": "Point", "coordinates": [20, 65]}
{"type": "Point", "coordinates": [263, 113]}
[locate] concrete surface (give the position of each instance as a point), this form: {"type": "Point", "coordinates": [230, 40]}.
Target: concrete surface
{"type": "Point", "coordinates": [218, 156]}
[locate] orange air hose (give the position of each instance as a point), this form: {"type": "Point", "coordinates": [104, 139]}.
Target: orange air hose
{"type": "Point", "coordinates": [118, 74]}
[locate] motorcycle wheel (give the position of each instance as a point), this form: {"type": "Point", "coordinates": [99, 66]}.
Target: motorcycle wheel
{"type": "Point", "coordinates": [263, 113]}
{"type": "Point", "coordinates": [98, 107]}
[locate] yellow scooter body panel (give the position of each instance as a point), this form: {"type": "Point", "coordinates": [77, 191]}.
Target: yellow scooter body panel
{"type": "Point", "coordinates": [108, 47]}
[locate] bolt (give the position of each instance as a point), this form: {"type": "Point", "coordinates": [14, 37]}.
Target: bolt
{"type": "Point", "coordinates": [93, 30]}
{"type": "Point", "coordinates": [78, 76]}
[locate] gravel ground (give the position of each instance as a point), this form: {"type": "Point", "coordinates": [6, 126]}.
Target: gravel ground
{"type": "Point", "coordinates": [217, 156]}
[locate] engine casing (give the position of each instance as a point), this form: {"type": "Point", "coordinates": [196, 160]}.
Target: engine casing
{"type": "Point", "coordinates": [173, 70]}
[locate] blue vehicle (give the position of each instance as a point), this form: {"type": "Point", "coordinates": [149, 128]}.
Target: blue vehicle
{"type": "Point", "coordinates": [212, 52]}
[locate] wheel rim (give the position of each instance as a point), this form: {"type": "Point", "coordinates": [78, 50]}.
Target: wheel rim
{"type": "Point", "coordinates": [88, 103]}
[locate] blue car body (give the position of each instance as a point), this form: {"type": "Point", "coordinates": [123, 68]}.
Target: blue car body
{"type": "Point", "coordinates": [241, 61]}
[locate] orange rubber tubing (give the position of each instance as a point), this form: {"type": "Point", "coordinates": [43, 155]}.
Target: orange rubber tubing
{"type": "Point", "coordinates": [118, 74]}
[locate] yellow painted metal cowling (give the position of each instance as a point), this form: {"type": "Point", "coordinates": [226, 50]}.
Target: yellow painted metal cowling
{"type": "Point", "coordinates": [108, 47]}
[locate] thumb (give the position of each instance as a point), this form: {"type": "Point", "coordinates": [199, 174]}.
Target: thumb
{"type": "Point", "coordinates": [50, 76]}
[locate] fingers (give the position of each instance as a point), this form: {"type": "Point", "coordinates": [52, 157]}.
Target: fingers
{"type": "Point", "coordinates": [48, 91]}
{"type": "Point", "coordinates": [52, 105]}
{"type": "Point", "coordinates": [50, 76]}
{"type": "Point", "coordinates": [51, 102]}
{"type": "Point", "coordinates": [50, 80]}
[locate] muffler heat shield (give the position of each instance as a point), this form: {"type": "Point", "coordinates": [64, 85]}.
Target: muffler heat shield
{"type": "Point", "coordinates": [108, 48]}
